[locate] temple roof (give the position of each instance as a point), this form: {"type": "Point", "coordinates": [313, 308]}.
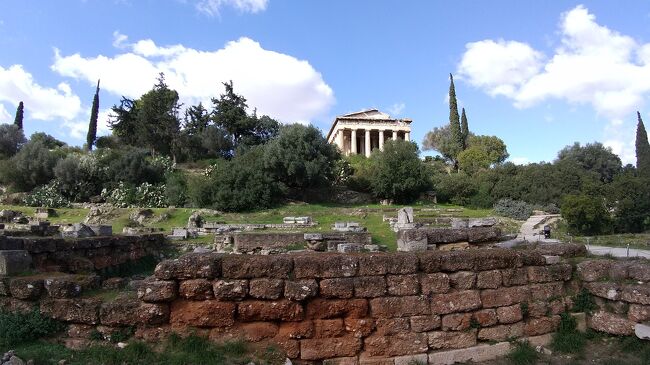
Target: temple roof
{"type": "Point", "coordinates": [367, 115]}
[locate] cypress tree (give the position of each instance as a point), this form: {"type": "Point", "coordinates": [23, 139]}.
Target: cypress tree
{"type": "Point", "coordinates": [454, 121]}
{"type": "Point", "coordinates": [642, 149]}
{"type": "Point", "coordinates": [92, 125]}
{"type": "Point", "coordinates": [18, 121]}
{"type": "Point", "coordinates": [464, 129]}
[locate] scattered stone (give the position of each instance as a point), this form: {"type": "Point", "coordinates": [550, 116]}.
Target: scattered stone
{"type": "Point", "coordinates": [77, 230]}
{"type": "Point", "coordinates": [348, 247]}
{"type": "Point", "coordinates": [140, 216]}
{"type": "Point", "coordinates": [348, 227]}
{"type": "Point", "coordinates": [405, 215]}
{"type": "Point", "coordinates": [14, 262]}
{"type": "Point", "coordinates": [101, 229]}
{"type": "Point", "coordinates": [552, 260]}
{"type": "Point", "coordinates": [195, 220]}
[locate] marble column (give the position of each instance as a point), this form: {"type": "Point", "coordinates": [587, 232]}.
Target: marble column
{"type": "Point", "coordinates": [353, 142]}
{"type": "Point", "coordinates": [407, 136]}
{"type": "Point", "coordinates": [340, 141]}
{"type": "Point", "coordinates": [394, 135]}
{"type": "Point", "coordinates": [367, 144]}
{"type": "Point", "coordinates": [381, 140]}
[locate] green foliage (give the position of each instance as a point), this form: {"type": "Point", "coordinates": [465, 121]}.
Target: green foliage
{"type": "Point", "coordinates": [11, 139]}
{"type": "Point", "coordinates": [176, 188]}
{"type": "Point", "coordinates": [493, 147]}
{"type": "Point", "coordinates": [134, 166]}
{"type": "Point", "coordinates": [143, 195]}
{"type": "Point", "coordinates": [300, 157]}
{"type": "Point", "coordinates": [593, 157]}
{"type": "Point", "coordinates": [454, 188]}
{"type": "Point", "coordinates": [32, 166]}
{"type": "Point", "coordinates": [92, 124]}
{"type": "Point", "coordinates": [515, 209]}
{"type": "Point", "coordinates": [473, 159]}
{"type": "Point", "coordinates": [642, 149]}
{"type": "Point", "coordinates": [360, 175]}
{"type": "Point", "coordinates": [16, 328]}
{"type": "Point", "coordinates": [397, 172]}
{"type": "Point", "coordinates": [111, 141]}
{"type": "Point", "coordinates": [48, 196]}
{"type": "Point", "coordinates": [199, 191]}
{"type": "Point", "coordinates": [628, 197]}
{"type": "Point", "coordinates": [464, 129]}
{"type": "Point", "coordinates": [81, 176]}
{"type": "Point", "coordinates": [20, 111]}
{"type": "Point", "coordinates": [584, 302]}
{"type": "Point", "coordinates": [47, 140]}
{"type": "Point", "coordinates": [585, 214]}
{"type": "Point", "coordinates": [122, 196]}
{"type": "Point", "coordinates": [454, 120]}
{"type": "Point", "coordinates": [567, 339]}
{"type": "Point", "coordinates": [523, 354]}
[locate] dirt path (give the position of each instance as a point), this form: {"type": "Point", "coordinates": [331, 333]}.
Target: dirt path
{"type": "Point", "coordinates": [530, 229]}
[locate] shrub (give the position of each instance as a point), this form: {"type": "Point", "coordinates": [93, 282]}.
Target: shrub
{"type": "Point", "coordinates": [16, 328]}
{"type": "Point", "coordinates": [32, 166]}
{"type": "Point", "coordinates": [523, 354]}
{"type": "Point", "coordinates": [515, 209]}
{"type": "Point", "coordinates": [48, 196]}
{"type": "Point", "coordinates": [176, 188]}
{"type": "Point", "coordinates": [567, 339]}
{"type": "Point", "coordinates": [397, 172]}
{"type": "Point", "coordinates": [585, 214]}
{"type": "Point", "coordinates": [48, 141]}
{"type": "Point", "coordinates": [81, 176]}
{"type": "Point", "coordinates": [359, 173]}
{"type": "Point", "coordinates": [454, 188]}
{"type": "Point", "coordinates": [199, 191]}
{"type": "Point", "coordinates": [121, 196]}
{"type": "Point", "coordinates": [147, 195]}
{"type": "Point", "coordinates": [134, 166]}
{"type": "Point", "coordinates": [11, 139]}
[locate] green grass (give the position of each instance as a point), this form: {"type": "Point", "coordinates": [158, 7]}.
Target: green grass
{"type": "Point", "coordinates": [370, 216]}
{"type": "Point", "coordinates": [192, 350]}
{"type": "Point", "coordinates": [523, 354]}
{"type": "Point", "coordinates": [567, 339]}
{"type": "Point", "coordinates": [635, 240]}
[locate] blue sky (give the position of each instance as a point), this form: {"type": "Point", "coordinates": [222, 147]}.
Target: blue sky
{"type": "Point", "coordinates": [538, 74]}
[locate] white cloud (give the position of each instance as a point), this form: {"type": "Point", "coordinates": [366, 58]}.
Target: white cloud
{"type": "Point", "coordinates": [277, 84]}
{"type": "Point", "coordinates": [5, 117]}
{"type": "Point", "coordinates": [213, 7]}
{"type": "Point", "coordinates": [396, 109]}
{"type": "Point", "coordinates": [41, 103]}
{"type": "Point", "coordinates": [119, 39]}
{"type": "Point", "coordinates": [593, 65]}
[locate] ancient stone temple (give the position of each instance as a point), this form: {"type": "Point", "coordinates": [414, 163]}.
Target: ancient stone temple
{"type": "Point", "coordinates": [364, 131]}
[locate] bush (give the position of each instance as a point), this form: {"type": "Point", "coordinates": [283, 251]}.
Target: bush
{"type": "Point", "coordinates": [176, 189]}
{"type": "Point", "coordinates": [81, 176]}
{"type": "Point", "coordinates": [567, 339]}
{"type": "Point", "coordinates": [300, 157]}
{"type": "Point", "coordinates": [397, 172]}
{"type": "Point", "coordinates": [585, 214]}
{"type": "Point", "coordinates": [199, 191]}
{"type": "Point", "coordinates": [515, 209]}
{"type": "Point", "coordinates": [48, 196]}
{"type": "Point", "coordinates": [134, 166]}
{"type": "Point", "coordinates": [48, 141]}
{"type": "Point", "coordinates": [151, 196]}
{"type": "Point", "coordinates": [32, 166]}
{"type": "Point", "coordinates": [359, 176]}
{"type": "Point", "coordinates": [454, 188]}
{"type": "Point", "coordinates": [18, 328]}
{"type": "Point", "coordinates": [122, 196]}
{"type": "Point", "coordinates": [11, 139]}
{"type": "Point", "coordinates": [523, 354]}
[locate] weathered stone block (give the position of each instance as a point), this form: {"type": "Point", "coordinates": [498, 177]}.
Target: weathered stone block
{"type": "Point", "coordinates": [401, 285]}
{"type": "Point", "coordinates": [485, 317]}
{"type": "Point", "coordinates": [425, 323]}
{"type": "Point", "coordinates": [325, 266]}
{"type": "Point", "coordinates": [387, 263]}
{"type": "Point", "coordinates": [391, 307]}
{"type": "Point", "coordinates": [62, 287]}
{"type": "Point", "coordinates": [14, 262]}
{"type": "Point", "coordinates": [196, 289]}
{"type": "Point", "coordinates": [607, 290]}
{"type": "Point", "coordinates": [230, 289]}
{"type": "Point", "coordinates": [460, 301]}
{"type": "Point", "coordinates": [514, 277]}
{"type": "Point", "coordinates": [369, 286]}
{"type": "Point", "coordinates": [411, 240]}
{"type": "Point", "coordinates": [278, 310]}
{"type": "Point", "coordinates": [439, 340]}
{"type": "Point", "coordinates": [501, 332]}
{"type": "Point", "coordinates": [462, 280]}
{"type": "Point", "coordinates": [256, 266]}
{"type": "Point", "coordinates": [26, 288]}
{"type": "Point", "coordinates": [391, 326]}
{"type": "Point", "coordinates": [594, 270]}
{"type": "Point", "coordinates": [483, 352]}
{"type": "Point", "coordinates": [546, 290]}
{"type": "Point", "coordinates": [190, 266]}
{"type": "Point", "coordinates": [510, 314]}
{"type": "Point", "coordinates": [639, 271]}
{"type": "Point", "coordinates": [296, 330]}
{"type": "Point", "coordinates": [490, 279]}
{"type": "Point", "coordinates": [326, 328]}
{"type": "Point", "coordinates": [84, 311]}
{"type": "Point", "coordinates": [456, 321]}
{"type": "Point", "coordinates": [611, 323]}
{"type": "Point", "coordinates": [545, 274]}
{"type": "Point", "coordinates": [153, 291]}
{"type": "Point", "coordinates": [204, 313]}
{"type": "Point", "coordinates": [541, 325]}
{"type": "Point", "coordinates": [300, 289]}
{"type": "Point", "coordinates": [483, 234]}
{"type": "Point", "coordinates": [435, 283]}
{"type": "Point", "coordinates": [333, 308]}
{"type": "Point", "coordinates": [502, 297]}
{"type": "Point", "coordinates": [639, 294]}
{"type": "Point", "coordinates": [266, 288]}
{"type": "Point", "coordinates": [337, 288]}
{"type": "Point", "coordinates": [318, 349]}
{"type": "Point", "coordinates": [408, 343]}
{"type": "Point", "coordinates": [638, 313]}
{"type": "Point", "coordinates": [359, 327]}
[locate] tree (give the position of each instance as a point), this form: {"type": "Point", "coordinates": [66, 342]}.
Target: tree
{"type": "Point", "coordinates": [197, 118]}
{"type": "Point", "coordinates": [11, 139]}
{"type": "Point", "coordinates": [642, 149]}
{"type": "Point", "coordinates": [92, 124]}
{"type": "Point", "coordinates": [397, 172]}
{"type": "Point", "coordinates": [585, 214]}
{"type": "Point", "coordinates": [440, 140]}
{"type": "Point", "coordinates": [32, 166]}
{"type": "Point", "coordinates": [18, 121]}
{"type": "Point", "coordinates": [473, 159]}
{"type": "Point", "coordinates": [464, 129]}
{"type": "Point", "coordinates": [123, 122]}
{"type": "Point", "coordinates": [47, 140]}
{"type": "Point", "coordinates": [629, 199]}
{"type": "Point", "coordinates": [593, 157]}
{"type": "Point", "coordinates": [494, 147]}
{"type": "Point", "coordinates": [454, 121]}
{"type": "Point", "coordinates": [300, 157]}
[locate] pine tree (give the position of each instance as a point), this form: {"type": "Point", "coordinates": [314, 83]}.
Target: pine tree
{"type": "Point", "coordinates": [19, 115]}
{"type": "Point", "coordinates": [464, 129]}
{"type": "Point", "coordinates": [92, 125]}
{"type": "Point", "coordinates": [454, 121]}
{"type": "Point", "coordinates": [642, 149]}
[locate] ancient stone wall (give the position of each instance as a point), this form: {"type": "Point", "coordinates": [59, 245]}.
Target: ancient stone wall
{"type": "Point", "coordinates": [83, 254]}
{"type": "Point", "coordinates": [253, 242]}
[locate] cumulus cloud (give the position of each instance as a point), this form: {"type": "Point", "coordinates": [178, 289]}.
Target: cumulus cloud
{"type": "Point", "coordinates": [41, 103]}
{"type": "Point", "coordinates": [276, 84]}
{"type": "Point", "coordinates": [213, 7]}
{"type": "Point", "coordinates": [593, 65]}
{"type": "Point", "coordinates": [5, 117]}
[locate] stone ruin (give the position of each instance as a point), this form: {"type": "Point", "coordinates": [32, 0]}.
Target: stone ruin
{"type": "Point", "coordinates": [277, 243]}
